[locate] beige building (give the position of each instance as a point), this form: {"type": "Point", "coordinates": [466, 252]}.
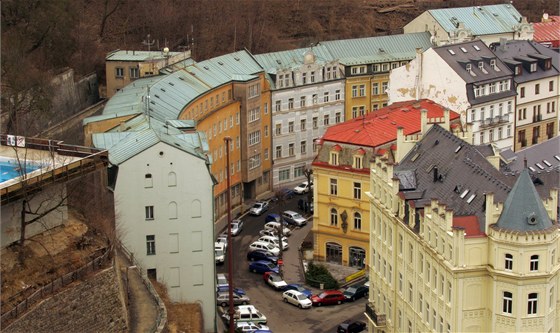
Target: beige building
{"type": "Point", "coordinates": [458, 246]}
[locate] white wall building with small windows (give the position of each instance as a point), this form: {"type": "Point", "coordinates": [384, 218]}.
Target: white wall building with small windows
{"type": "Point", "coordinates": [307, 97]}
{"type": "Point", "coordinates": [163, 194]}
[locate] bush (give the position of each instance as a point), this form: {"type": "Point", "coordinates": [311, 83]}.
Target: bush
{"type": "Point", "coordinates": [319, 274]}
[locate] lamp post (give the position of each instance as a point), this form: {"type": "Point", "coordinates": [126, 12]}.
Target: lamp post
{"type": "Point", "coordinates": [227, 140]}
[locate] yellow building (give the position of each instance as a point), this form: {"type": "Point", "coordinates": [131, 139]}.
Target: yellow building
{"type": "Point", "coordinates": [341, 175]}
{"type": "Point", "coordinates": [458, 246]}
{"type": "Point", "coordinates": [124, 66]}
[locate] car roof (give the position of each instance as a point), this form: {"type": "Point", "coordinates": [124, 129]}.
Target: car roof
{"type": "Point", "coordinates": [290, 212]}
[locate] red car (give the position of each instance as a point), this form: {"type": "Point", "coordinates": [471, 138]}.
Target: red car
{"type": "Point", "coordinates": [328, 297]}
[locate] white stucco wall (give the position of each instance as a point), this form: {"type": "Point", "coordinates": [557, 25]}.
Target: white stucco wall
{"type": "Point", "coordinates": [184, 241]}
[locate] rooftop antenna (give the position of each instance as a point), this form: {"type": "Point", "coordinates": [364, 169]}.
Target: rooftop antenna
{"type": "Point", "coordinates": [148, 108]}
{"type": "Point", "coordinates": [148, 42]}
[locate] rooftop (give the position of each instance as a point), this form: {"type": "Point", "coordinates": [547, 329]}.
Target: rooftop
{"type": "Point", "coordinates": [132, 55]}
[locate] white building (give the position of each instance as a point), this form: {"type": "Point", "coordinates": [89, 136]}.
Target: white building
{"type": "Point", "coordinates": [163, 206]}
{"type": "Point", "coordinates": [307, 97]}
{"type": "Point", "coordinates": [457, 25]}
{"type": "Point", "coordinates": [465, 77]}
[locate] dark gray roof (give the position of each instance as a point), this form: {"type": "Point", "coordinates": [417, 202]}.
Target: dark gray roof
{"type": "Point", "coordinates": [515, 52]}
{"type": "Point", "coordinates": [456, 55]}
{"type": "Point", "coordinates": [463, 176]}
{"type": "Point", "coordinates": [524, 209]}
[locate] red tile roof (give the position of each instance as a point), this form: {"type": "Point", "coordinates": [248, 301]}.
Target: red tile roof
{"type": "Point", "coordinates": [380, 127]}
{"type": "Point", "coordinates": [548, 31]}
{"type": "Point", "coordinates": [469, 224]}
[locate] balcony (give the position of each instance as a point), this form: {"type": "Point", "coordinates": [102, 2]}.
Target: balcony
{"type": "Point", "coordinates": [377, 319]}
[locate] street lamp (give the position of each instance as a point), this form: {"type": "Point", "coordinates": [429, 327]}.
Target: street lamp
{"type": "Point", "coordinates": [227, 140]}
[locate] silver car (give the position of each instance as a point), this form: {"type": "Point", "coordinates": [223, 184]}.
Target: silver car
{"type": "Point", "coordinates": [258, 208]}
{"type": "Point", "coordinates": [223, 299]}
{"type": "Point", "coordinates": [236, 227]}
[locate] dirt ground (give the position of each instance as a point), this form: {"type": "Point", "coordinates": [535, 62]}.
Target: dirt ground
{"type": "Point", "coordinates": [181, 317]}
{"type": "Point", "coordinates": [47, 257]}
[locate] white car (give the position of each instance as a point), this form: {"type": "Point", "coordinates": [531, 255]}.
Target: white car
{"type": "Point", "coordinates": [275, 280]}
{"type": "Point", "coordinates": [219, 253]}
{"type": "Point", "coordinates": [296, 298]}
{"type": "Point", "coordinates": [274, 241]}
{"type": "Point", "coordinates": [222, 239]}
{"type": "Point", "coordinates": [264, 246]}
{"type": "Point", "coordinates": [258, 208]}
{"type": "Point", "coordinates": [303, 187]}
{"type": "Point", "coordinates": [272, 233]}
{"type": "Point", "coordinates": [236, 227]}
{"type": "Point", "coordinates": [244, 326]}
{"type": "Point", "coordinates": [274, 226]}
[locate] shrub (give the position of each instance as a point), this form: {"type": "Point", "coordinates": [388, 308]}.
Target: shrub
{"type": "Point", "coordinates": [319, 274]}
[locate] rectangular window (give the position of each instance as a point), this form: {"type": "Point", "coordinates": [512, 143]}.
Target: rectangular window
{"type": "Point", "coordinates": [134, 72]}
{"type": "Point", "coordinates": [375, 89]}
{"type": "Point", "coordinates": [537, 88]}
{"type": "Point", "coordinates": [304, 78]}
{"type": "Point", "coordinates": [302, 125]}
{"type": "Point", "coordinates": [326, 97]}
{"type": "Point", "coordinates": [337, 95]}
{"type": "Point", "coordinates": [357, 191]}
{"type": "Point", "coordinates": [362, 91]}
{"type": "Point", "coordinates": [254, 114]}
{"type": "Point", "coordinates": [291, 151]}
{"type": "Point", "coordinates": [278, 151]}
{"type": "Point", "coordinates": [315, 122]}
{"type": "Point", "coordinates": [507, 302]}
{"type": "Point", "coordinates": [284, 174]}
{"type": "Point", "coordinates": [266, 153]}
{"type": "Point", "coordinates": [298, 171]}
{"type": "Point", "coordinates": [522, 92]}
{"type": "Point", "coordinates": [326, 120]}
{"type": "Point", "coordinates": [119, 72]}
{"type": "Point", "coordinates": [314, 99]}
{"type": "Point", "coordinates": [532, 304]}
{"type": "Point", "coordinates": [302, 101]}
{"type": "Point", "coordinates": [150, 245]}
{"type": "Point", "coordinates": [254, 90]}
{"type": "Point", "coordinates": [534, 266]}
{"type": "Point", "coordinates": [149, 212]}
{"type": "Point", "coordinates": [337, 118]}
{"type": "Point", "coordinates": [291, 127]}
{"type": "Point", "coordinates": [278, 129]}
{"type": "Point", "coordinates": [508, 262]}
{"type": "Point", "coordinates": [254, 138]}
{"type": "Point", "coordinates": [334, 186]}
{"type": "Point", "coordinates": [277, 106]}
{"type": "Point", "coordinates": [312, 77]}
{"type": "Point", "coordinates": [303, 147]}
{"type": "Point", "coordinates": [266, 131]}
{"type": "Point", "coordinates": [551, 85]}
{"type": "Point", "coordinates": [354, 91]}
{"type": "Point", "coordinates": [290, 103]}
{"type": "Point", "coordinates": [384, 87]}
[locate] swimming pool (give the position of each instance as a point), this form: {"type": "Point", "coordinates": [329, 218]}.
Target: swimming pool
{"type": "Point", "coordinates": [10, 169]}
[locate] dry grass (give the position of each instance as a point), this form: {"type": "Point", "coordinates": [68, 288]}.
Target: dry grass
{"type": "Point", "coordinates": [181, 317]}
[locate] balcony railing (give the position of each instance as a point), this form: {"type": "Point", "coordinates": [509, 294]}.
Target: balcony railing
{"type": "Point", "coordinates": [378, 319]}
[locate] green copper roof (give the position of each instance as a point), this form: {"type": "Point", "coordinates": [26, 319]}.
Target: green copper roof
{"type": "Point", "coordinates": [126, 55]}
{"type": "Point", "coordinates": [523, 208]}
{"type": "Point", "coordinates": [481, 20]}
{"type": "Point", "coordinates": [290, 59]}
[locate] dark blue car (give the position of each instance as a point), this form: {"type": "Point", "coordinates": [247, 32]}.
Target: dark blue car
{"type": "Point", "coordinates": [262, 267]}
{"type": "Point", "coordinates": [300, 288]}
{"type": "Point", "coordinates": [354, 292]}
{"type": "Point", "coordinates": [225, 289]}
{"type": "Point", "coordinates": [262, 255]}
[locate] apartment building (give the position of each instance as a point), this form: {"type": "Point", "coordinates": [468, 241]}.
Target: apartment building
{"type": "Point", "coordinates": [341, 174]}
{"type": "Point", "coordinates": [487, 23]}
{"type": "Point", "coordinates": [367, 63]}
{"type": "Point", "coordinates": [468, 78]}
{"type": "Point", "coordinates": [536, 77]}
{"type": "Point", "coordinates": [162, 184]}
{"type": "Point", "coordinates": [125, 66]}
{"type": "Point", "coordinates": [458, 245]}
{"type": "Point", "coordinates": [307, 96]}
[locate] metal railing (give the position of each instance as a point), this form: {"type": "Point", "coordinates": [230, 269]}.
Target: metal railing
{"type": "Point", "coordinates": [378, 319]}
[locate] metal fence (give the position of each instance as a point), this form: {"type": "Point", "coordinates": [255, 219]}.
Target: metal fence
{"type": "Point", "coordinates": [161, 320]}
{"type": "Point", "coordinates": [53, 287]}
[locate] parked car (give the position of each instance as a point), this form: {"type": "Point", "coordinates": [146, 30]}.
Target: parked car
{"type": "Point", "coordinates": [285, 193]}
{"type": "Point", "coordinates": [258, 208]}
{"type": "Point", "coordinates": [303, 187]}
{"type": "Point", "coordinates": [262, 255]}
{"type": "Point", "coordinates": [225, 289]}
{"type": "Point", "coordinates": [222, 280]}
{"type": "Point", "coordinates": [236, 227]}
{"type": "Point", "coordinates": [219, 253]}
{"type": "Point", "coordinates": [328, 297]}
{"type": "Point", "coordinates": [223, 299]}
{"type": "Point", "coordinates": [294, 218]}
{"type": "Point", "coordinates": [262, 267]}
{"type": "Point", "coordinates": [264, 246]}
{"type": "Point", "coordinates": [245, 326]}
{"type": "Point", "coordinates": [274, 241]}
{"type": "Point", "coordinates": [274, 280]}
{"type": "Point", "coordinates": [300, 288]}
{"type": "Point", "coordinates": [223, 239]}
{"type": "Point", "coordinates": [355, 292]}
{"type": "Point", "coordinates": [246, 313]}
{"type": "Point", "coordinates": [275, 226]}
{"type": "Point", "coordinates": [296, 298]}
{"type": "Point", "coordinates": [273, 233]}
{"type": "Point", "coordinates": [348, 326]}
{"type": "Point", "coordinates": [272, 217]}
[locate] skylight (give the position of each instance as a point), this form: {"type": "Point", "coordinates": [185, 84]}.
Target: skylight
{"type": "Point", "coordinates": [540, 166]}
{"type": "Point", "coordinates": [557, 157]}
{"type": "Point", "coordinates": [476, 47]}
{"type": "Point", "coordinates": [547, 163]}
{"type": "Point", "coordinates": [532, 169]}
{"type": "Point", "coordinates": [464, 50]}
{"type": "Point", "coordinates": [464, 194]}
{"type": "Point", "coordinates": [457, 149]}
{"type": "Point", "coordinates": [451, 51]}
{"type": "Point", "coordinates": [469, 200]}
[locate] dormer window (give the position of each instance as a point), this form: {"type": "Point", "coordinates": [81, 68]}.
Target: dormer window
{"type": "Point", "coordinates": [493, 65]}
{"type": "Point", "coordinates": [358, 70]}
{"type": "Point", "coordinates": [481, 67]}
{"type": "Point", "coordinates": [518, 70]}
{"type": "Point", "coordinates": [334, 157]}
{"type": "Point", "coordinates": [281, 81]}
{"type": "Point", "coordinates": [547, 64]}
{"type": "Point", "coordinates": [468, 67]}
{"type": "Point", "coordinates": [533, 67]}
{"type": "Point", "coordinates": [358, 162]}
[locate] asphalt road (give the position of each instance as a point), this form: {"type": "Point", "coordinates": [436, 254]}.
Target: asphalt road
{"type": "Point", "coordinates": [283, 317]}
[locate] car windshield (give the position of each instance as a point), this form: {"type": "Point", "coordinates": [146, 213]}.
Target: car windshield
{"type": "Point", "coordinates": [219, 253]}
{"type": "Point", "coordinates": [351, 290]}
{"type": "Point", "coordinates": [269, 265]}
{"type": "Point", "coordinates": [301, 297]}
{"type": "Point", "coordinates": [297, 216]}
{"type": "Point", "coordinates": [275, 278]}
{"type": "Point", "coordinates": [322, 295]}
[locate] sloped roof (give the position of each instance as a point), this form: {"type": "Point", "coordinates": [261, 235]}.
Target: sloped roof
{"type": "Point", "coordinates": [469, 224]}
{"type": "Point", "coordinates": [377, 49]}
{"type": "Point", "coordinates": [462, 177]}
{"type": "Point", "coordinates": [380, 127]}
{"type": "Point", "coordinates": [524, 209]}
{"type": "Point", "coordinates": [481, 20]}
{"type": "Point", "coordinates": [548, 31]}
{"type": "Point", "coordinates": [289, 59]}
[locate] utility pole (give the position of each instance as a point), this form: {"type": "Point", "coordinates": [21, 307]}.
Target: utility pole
{"type": "Point", "coordinates": [281, 195]}
{"type": "Point", "coordinates": [227, 140]}
{"type": "Point", "coordinates": [307, 172]}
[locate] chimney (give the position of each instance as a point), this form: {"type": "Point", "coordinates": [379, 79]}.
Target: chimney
{"type": "Point", "coordinates": [545, 18]}
{"type": "Point", "coordinates": [423, 121]}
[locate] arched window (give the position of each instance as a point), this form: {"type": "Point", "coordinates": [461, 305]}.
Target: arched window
{"type": "Point", "coordinates": [507, 302]}
{"type": "Point", "coordinates": [172, 210]}
{"type": "Point", "coordinates": [172, 179]}
{"type": "Point", "coordinates": [532, 303]}
{"type": "Point", "coordinates": [509, 262]}
{"type": "Point", "coordinates": [534, 265]}
{"type": "Point", "coordinates": [148, 182]}
{"type": "Point", "coordinates": [357, 221]}
{"type": "Point", "coordinates": [334, 253]}
{"type": "Point", "coordinates": [334, 217]}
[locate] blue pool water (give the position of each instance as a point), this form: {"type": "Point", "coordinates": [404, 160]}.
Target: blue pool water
{"type": "Point", "coordinates": [9, 169]}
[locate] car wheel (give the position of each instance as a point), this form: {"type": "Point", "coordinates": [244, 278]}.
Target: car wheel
{"type": "Point", "coordinates": [244, 302]}
{"type": "Point", "coordinates": [338, 302]}
{"type": "Point", "coordinates": [285, 300]}
{"type": "Point", "coordinates": [353, 299]}
{"type": "Point", "coordinates": [319, 304]}
{"type": "Point", "coordinates": [254, 270]}
{"type": "Point", "coordinates": [224, 304]}
{"type": "Point", "coordinates": [299, 306]}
